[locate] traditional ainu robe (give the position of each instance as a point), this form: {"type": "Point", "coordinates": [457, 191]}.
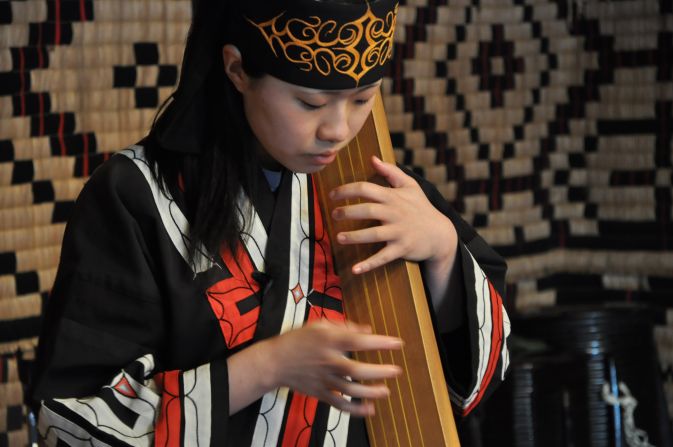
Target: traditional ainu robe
{"type": "Point", "coordinates": [135, 340]}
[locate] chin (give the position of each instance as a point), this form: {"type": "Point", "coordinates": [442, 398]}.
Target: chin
{"type": "Point", "coordinates": [310, 169]}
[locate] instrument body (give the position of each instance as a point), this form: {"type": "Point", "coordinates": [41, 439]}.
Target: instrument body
{"type": "Point", "coordinates": [392, 300]}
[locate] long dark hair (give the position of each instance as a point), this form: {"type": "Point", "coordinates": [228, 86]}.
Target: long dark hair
{"type": "Point", "coordinates": [225, 163]}
{"type": "Point", "coordinates": [209, 181]}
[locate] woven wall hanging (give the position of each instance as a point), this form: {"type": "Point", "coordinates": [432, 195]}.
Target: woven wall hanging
{"type": "Point", "coordinates": [547, 123]}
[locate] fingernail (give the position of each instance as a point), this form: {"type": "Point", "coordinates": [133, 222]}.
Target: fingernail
{"type": "Point", "coordinates": [341, 237]}
{"type": "Point", "coordinates": [332, 193]}
{"type": "Point", "coordinates": [357, 269]}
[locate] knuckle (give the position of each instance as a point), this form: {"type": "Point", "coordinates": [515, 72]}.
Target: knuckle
{"type": "Point", "coordinates": [330, 338]}
{"type": "Point", "coordinates": [374, 262]}
{"type": "Point", "coordinates": [383, 258]}
{"type": "Point", "coordinates": [346, 369]}
{"type": "Point", "coordinates": [378, 233]}
{"type": "Point", "coordinates": [406, 245]}
{"type": "Point", "coordinates": [333, 400]}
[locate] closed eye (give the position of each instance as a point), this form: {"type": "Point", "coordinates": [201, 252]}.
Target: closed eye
{"type": "Point", "coordinates": [362, 102]}
{"type": "Point", "coordinates": [309, 106]}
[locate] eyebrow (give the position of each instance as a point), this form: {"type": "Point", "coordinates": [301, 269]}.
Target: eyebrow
{"type": "Point", "coordinates": [337, 92]}
{"type": "Point", "coordinates": [357, 90]}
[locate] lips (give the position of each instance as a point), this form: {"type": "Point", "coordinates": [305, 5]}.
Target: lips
{"type": "Point", "coordinates": [325, 158]}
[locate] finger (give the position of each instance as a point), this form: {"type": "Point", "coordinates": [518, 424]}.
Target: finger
{"type": "Point", "coordinates": [365, 371]}
{"type": "Point", "coordinates": [358, 327]}
{"type": "Point", "coordinates": [363, 190]}
{"type": "Point", "coordinates": [355, 389]}
{"type": "Point", "coordinates": [354, 342]}
{"type": "Point", "coordinates": [369, 210]}
{"type": "Point", "coordinates": [393, 175]}
{"type": "Point", "coordinates": [348, 325]}
{"type": "Point", "coordinates": [357, 408]}
{"type": "Point", "coordinates": [379, 233]}
{"type": "Point", "coordinates": [387, 254]}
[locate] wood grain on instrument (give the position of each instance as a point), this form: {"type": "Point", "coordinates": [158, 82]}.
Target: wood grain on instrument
{"type": "Point", "coordinates": [392, 300]}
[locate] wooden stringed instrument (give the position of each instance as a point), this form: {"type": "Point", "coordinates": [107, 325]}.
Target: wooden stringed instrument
{"type": "Point", "coordinates": [392, 300]}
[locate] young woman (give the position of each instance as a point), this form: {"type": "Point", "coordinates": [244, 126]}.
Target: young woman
{"type": "Point", "coordinates": [196, 301]}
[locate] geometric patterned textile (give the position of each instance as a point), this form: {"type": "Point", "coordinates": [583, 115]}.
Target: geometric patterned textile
{"type": "Point", "coordinates": [547, 123]}
{"type": "Point", "coordinates": [549, 126]}
{"type": "Point", "coordinates": [551, 132]}
{"type": "Point", "coordinates": [79, 79]}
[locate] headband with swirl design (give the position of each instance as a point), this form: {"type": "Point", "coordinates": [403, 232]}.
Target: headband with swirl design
{"type": "Point", "coordinates": [320, 44]}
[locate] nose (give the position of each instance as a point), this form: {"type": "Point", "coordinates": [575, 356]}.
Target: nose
{"type": "Point", "coordinates": [334, 128]}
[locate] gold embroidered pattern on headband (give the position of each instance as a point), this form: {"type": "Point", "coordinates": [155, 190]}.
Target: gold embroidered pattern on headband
{"type": "Point", "coordinates": [324, 46]}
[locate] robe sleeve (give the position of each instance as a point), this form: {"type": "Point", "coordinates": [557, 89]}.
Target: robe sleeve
{"type": "Point", "coordinates": [98, 375]}
{"type": "Point", "coordinates": [473, 328]}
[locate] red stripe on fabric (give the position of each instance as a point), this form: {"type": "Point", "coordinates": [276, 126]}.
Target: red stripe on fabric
{"type": "Point", "coordinates": [324, 278]}
{"type": "Point", "coordinates": [85, 159]}
{"type": "Point", "coordinates": [225, 295]}
{"type": "Point", "coordinates": [61, 126]}
{"type": "Point", "coordinates": [57, 20]}
{"type": "Point", "coordinates": [41, 99]}
{"type": "Point", "coordinates": [168, 426]}
{"type": "Point", "coordinates": [299, 422]}
{"type": "Point", "coordinates": [496, 343]}
{"type": "Point", "coordinates": [82, 11]}
{"type": "Point", "coordinates": [319, 312]}
{"type": "Point", "coordinates": [22, 87]}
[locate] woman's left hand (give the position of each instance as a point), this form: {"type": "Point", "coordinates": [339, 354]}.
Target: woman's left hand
{"type": "Point", "coordinates": [410, 226]}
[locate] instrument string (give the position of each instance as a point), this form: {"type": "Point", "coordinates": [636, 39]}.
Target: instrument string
{"type": "Point", "coordinates": [384, 313]}
{"type": "Point", "coordinates": [406, 369]}
{"type": "Point", "coordinates": [378, 107]}
{"type": "Point", "coordinates": [397, 419]}
{"type": "Point", "coordinates": [369, 302]}
{"type": "Point", "coordinates": [352, 311]}
{"type": "Point", "coordinates": [365, 288]}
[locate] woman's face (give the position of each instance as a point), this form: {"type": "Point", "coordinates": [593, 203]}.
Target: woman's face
{"type": "Point", "coordinates": [302, 129]}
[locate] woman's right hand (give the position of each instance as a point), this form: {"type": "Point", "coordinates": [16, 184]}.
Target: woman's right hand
{"type": "Point", "coordinates": [313, 360]}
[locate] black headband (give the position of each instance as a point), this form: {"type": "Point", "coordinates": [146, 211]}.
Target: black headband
{"type": "Point", "coordinates": [327, 45]}
{"type": "Point", "coordinates": [320, 44]}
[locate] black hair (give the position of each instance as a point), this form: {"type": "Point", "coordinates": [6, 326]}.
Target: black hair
{"type": "Point", "coordinates": [226, 163]}
{"type": "Point", "coordinates": [210, 180]}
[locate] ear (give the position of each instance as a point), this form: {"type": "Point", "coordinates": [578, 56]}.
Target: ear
{"type": "Point", "coordinates": [233, 67]}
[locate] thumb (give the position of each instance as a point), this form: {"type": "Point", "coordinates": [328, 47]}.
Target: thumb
{"type": "Point", "coordinates": [393, 175]}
